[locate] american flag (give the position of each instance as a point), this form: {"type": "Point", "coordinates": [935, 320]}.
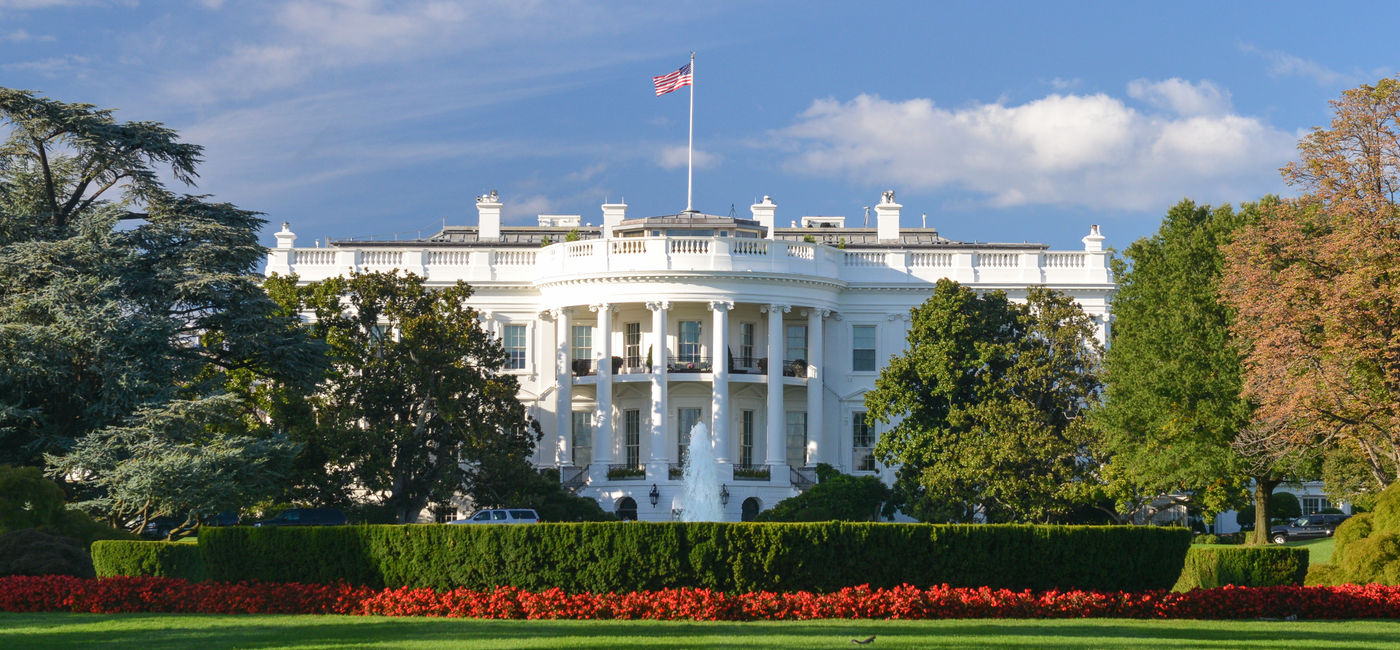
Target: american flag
{"type": "Point", "coordinates": [668, 82]}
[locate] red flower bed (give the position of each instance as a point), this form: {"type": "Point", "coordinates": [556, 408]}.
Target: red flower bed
{"type": "Point", "coordinates": [118, 595]}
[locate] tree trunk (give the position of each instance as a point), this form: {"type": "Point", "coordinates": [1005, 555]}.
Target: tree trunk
{"type": "Point", "coordinates": [1263, 492]}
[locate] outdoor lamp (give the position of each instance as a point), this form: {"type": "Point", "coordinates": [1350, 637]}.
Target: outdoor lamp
{"type": "Point", "coordinates": [724, 495]}
{"type": "Point", "coordinates": [654, 494]}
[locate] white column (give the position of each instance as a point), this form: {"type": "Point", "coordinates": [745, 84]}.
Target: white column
{"type": "Point", "coordinates": [719, 402]}
{"type": "Point", "coordinates": [564, 396]}
{"type": "Point", "coordinates": [776, 453]}
{"type": "Point", "coordinates": [602, 422]}
{"type": "Point", "coordinates": [815, 342]}
{"type": "Point", "coordinates": [657, 471]}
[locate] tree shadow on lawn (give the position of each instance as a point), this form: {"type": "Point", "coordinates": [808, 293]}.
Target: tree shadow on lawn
{"type": "Point", "coordinates": [183, 631]}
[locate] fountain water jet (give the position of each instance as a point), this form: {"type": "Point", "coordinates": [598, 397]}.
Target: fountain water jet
{"type": "Point", "coordinates": [700, 479]}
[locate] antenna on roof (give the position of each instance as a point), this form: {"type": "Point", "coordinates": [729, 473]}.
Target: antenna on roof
{"type": "Point", "coordinates": [867, 216]}
{"type": "Point", "coordinates": [924, 221]}
{"type": "Point", "coordinates": [732, 214]}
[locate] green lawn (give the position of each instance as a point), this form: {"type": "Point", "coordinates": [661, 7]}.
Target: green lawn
{"type": "Point", "coordinates": [1319, 550]}
{"type": "Point", "coordinates": [206, 631]}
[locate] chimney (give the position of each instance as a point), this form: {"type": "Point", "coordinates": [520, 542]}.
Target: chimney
{"type": "Point", "coordinates": [488, 207]}
{"type": "Point", "coordinates": [1093, 242]}
{"type": "Point", "coordinates": [613, 214]}
{"type": "Point", "coordinates": [764, 213]}
{"type": "Point", "coordinates": [887, 217]}
{"type": "Point", "coordinates": [286, 238]}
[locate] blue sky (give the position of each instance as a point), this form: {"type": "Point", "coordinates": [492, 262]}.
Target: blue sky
{"type": "Point", "coordinates": [1003, 121]}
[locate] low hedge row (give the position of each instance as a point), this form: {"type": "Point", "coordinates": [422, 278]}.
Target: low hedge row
{"type": "Point", "coordinates": [137, 558]}
{"type": "Point", "coordinates": [625, 557]}
{"type": "Point", "coordinates": [1244, 566]}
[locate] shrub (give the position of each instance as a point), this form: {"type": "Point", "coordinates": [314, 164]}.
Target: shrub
{"type": "Point", "coordinates": [1322, 575]}
{"type": "Point", "coordinates": [1368, 545]}
{"type": "Point", "coordinates": [1253, 566]}
{"type": "Point", "coordinates": [33, 552]}
{"type": "Point", "coordinates": [158, 559]}
{"type": "Point", "coordinates": [28, 500]}
{"type": "Point", "coordinates": [835, 497]}
{"type": "Point", "coordinates": [613, 557]}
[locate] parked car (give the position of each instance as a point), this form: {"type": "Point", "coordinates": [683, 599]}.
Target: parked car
{"type": "Point", "coordinates": [306, 517]}
{"type": "Point", "coordinates": [501, 516]}
{"type": "Point", "coordinates": [1306, 527]}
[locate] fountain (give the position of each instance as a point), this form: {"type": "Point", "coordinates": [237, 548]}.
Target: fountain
{"type": "Point", "coordinates": [700, 479]}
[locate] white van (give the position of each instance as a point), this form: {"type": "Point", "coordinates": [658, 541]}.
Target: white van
{"type": "Point", "coordinates": [501, 516]}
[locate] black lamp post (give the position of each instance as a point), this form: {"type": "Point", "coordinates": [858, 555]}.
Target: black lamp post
{"type": "Point", "coordinates": [655, 495]}
{"type": "Point", "coordinates": [724, 495]}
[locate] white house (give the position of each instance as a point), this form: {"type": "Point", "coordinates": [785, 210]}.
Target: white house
{"type": "Point", "coordinates": [625, 334]}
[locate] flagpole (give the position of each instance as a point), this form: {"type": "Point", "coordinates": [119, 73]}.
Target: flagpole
{"type": "Point", "coordinates": [690, 148]}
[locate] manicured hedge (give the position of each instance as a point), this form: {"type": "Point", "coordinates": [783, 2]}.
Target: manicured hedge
{"type": "Point", "coordinates": [1246, 566]}
{"type": "Point", "coordinates": [159, 559]}
{"type": "Point", "coordinates": [622, 557]}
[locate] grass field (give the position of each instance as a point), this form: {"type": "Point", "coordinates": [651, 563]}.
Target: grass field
{"type": "Point", "coordinates": [1319, 550]}
{"type": "Point", "coordinates": [203, 631]}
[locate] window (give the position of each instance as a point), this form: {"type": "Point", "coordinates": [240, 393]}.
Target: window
{"type": "Point", "coordinates": [515, 347]}
{"type": "Point", "coordinates": [583, 342]}
{"type": "Point", "coordinates": [797, 438]}
{"type": "Point", "coordinates": [746, 345]}
{"type": "Point", "coordinates": [746, 437]}
{"type": "Point", "coordinates": [632, 441]}
{"type": "Point", "coordinates": [1314, 505]}
{"type": "Point", "coordinates": [686, 420]}
{"type": "Point", "coordinates": [863, 348]}
{"type": "Point", "coordinates": [632, 344]}
{"type": "Point", "coordinates": [444, 514]}
{"type": "Point", "coordinates": [583, 438]}
{"type": "Point", "coordinates": [862, 443]}
{"type": "Point", "coordinates": [690, 341]}
{"type": "Point", "coordinates": [796, 343]}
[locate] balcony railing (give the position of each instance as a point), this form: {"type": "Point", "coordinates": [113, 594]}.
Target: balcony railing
{"type": "Point", "coordinates": [568, 260]}
{"type": "Point", "coordinates": [802, 478]}
{"type": "Point", "coordinates": [687, 363]}
{"type": "Point", "coordinates": [573, 478]}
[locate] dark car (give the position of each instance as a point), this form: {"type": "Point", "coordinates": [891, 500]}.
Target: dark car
{"type": "Point", "coordinates": [306, 517]}
{"type": "Point", "coordinates": [1307, 527]}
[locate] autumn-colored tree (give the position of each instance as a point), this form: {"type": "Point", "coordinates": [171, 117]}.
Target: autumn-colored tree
{"type": "Point", "coordinates": [1316, 285]}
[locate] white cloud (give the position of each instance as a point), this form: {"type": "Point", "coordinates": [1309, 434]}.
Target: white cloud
{"type": "Point", "coordinates": [1084, 150]}
{"type": "Point", "coordinates": [22, 36]}
{"type": "Point", "coordinates": [675, 157]}
{"type": "Point", "coordinates": [68, 65]}
{"type": "Point", "coordinates": [517, 209]}
{"type": "Point", "coordinates": [1061, 84]}
{"type": "Point", "coordinates": [1182, 97]}
{"type": "Point", "coordinates": [1283, 64]}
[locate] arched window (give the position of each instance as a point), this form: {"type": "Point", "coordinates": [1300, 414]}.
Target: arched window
{"type": "Point", "coordinates": [750, 509]}
{"type": "Point", "coordinates": [627, 509]}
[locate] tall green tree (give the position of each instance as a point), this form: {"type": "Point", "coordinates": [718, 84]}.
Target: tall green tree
{"type": "Point", "coordinates": [416, 407]}
{"type": "Point", "coordinates": [986, 406]}
{"type": "Point", "coordinates": [1172, 375]}
{"type": "Point", "coordinates": [124, 306]}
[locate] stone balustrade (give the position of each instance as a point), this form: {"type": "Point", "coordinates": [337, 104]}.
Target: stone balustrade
{"type": "Point", "coordinates": [759, 257]}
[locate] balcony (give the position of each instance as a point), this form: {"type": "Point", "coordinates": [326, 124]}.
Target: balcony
{"type": "Point", "coordinates": [752, 472]}
{"type": "Point", "coordinates": [685, 363]}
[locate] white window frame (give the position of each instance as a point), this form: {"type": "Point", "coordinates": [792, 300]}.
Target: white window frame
{"type": "Point", "coordinates": [874, 347]}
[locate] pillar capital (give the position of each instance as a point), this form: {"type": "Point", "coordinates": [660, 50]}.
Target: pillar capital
{"type": "Point", "coordinates": [899, 317]}
{"type": "Point", "coordinates": [775, 308]}
{"type": "Point", "coordinates": [818, 312]}
{"type": "Point", "coordinates": [658, 305]}
{"type": "Point", "coordinates": [721, 305]}
{"type": "Point", "coordinates": [602, 307]}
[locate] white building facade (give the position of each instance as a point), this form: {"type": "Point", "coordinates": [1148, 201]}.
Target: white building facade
{"type": "Point", "coordinates": [625, 335]}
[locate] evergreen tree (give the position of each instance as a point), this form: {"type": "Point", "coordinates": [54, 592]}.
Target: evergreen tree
{"type": "Point", "coordinates": [123, 308]}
